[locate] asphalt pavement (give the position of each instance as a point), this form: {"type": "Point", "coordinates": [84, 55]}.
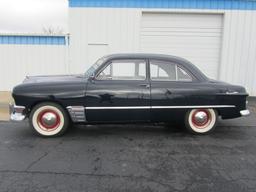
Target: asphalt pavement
{"type": "Point", "coordinates": [132, 158]}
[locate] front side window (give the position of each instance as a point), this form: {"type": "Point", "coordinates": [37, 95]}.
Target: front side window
{"type": "Point", "coordinates": [124, 70]}
{"type": "Point", "coordinates": [168, 71]}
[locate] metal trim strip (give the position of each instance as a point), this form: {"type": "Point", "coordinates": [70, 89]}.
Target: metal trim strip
{"type": "Point", "coordinates": [163, 107]}
{"type": "Point", "coordinates": [174, 4]}
{"type": "Point", "coordinates": [77, 113]}
{"type": "Point", "coordinates": [33, 40]}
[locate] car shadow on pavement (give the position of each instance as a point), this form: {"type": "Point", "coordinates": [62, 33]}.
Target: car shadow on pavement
{"type": "Point", "coordinates": [108, 129]}
{"type": "Point", "coordinates": [22, 130]}
{"type": "Point", "coordinates": [150, 130]}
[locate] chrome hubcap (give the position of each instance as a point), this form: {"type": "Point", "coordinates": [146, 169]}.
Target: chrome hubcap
{"type": "Point", "coordinates": [201, 117]}
{"type": "Point", "coordinates": [49, 119]}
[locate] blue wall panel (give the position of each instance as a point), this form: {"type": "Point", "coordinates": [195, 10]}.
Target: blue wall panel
{"type": "Point", "coordinates": [181, 4]}
{"type": "Point", "coordinates": [33, 40]}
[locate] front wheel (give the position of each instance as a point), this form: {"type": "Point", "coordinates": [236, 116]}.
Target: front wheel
{"type": "Point", "coordinates": [49, 119]}
{"type": "Point", "coordinates": [201, 121]}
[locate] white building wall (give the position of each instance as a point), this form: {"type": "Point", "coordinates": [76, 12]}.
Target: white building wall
{"type": "Point", "coordinates": [238, 59]}
{"type": "Point", "coordinates": [17, 61]}
{"type": "Point", "coordinates": [99, 31]}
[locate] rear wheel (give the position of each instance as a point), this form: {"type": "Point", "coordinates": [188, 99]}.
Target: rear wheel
{"type": "Point", "coordinates": [49, 119]}
{"type": "Point", "coordinates": [201, 121]}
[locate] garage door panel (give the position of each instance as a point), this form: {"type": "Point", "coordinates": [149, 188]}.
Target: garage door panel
{"type": "Point", "coordinates": [180, 46]}
{"type": "Point", "coordinates": [179, 23]}
{"type": "Point", "coordinates": [192, 52]}
{"type": "Point", "coordinates": [160, 19]}
{"type": "Point", "coordinates": [181, 40]}
{"type": "Point", "coordinates": [182, 16]}
{"type": "Point", "coordinates": [181, 29]}
{"type": "Point", "coordinates": [196, 37]}
{"type": "Point", "coordinates": [182, 34]}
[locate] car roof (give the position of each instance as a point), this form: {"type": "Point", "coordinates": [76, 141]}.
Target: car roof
{"type": "Point", "coordinates": [144, 55]}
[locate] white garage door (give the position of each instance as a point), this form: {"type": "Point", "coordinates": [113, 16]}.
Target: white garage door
{"type": "Point", "coordinates": [195, 37]}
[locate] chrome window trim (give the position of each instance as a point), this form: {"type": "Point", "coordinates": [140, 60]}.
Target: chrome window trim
{"type": "Point", "coordinates": [176, 72]}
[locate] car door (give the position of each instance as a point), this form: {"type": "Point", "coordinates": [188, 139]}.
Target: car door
{"type": "Point", "coordinates": [171, 88]}
{"type": "Point", "coordinates": [119, 92]}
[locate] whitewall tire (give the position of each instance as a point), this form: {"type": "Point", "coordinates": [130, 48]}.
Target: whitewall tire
{"type": "Point", "coordinates": [201, 121]}
{"type": "Point", "coordinates": [49, 119]}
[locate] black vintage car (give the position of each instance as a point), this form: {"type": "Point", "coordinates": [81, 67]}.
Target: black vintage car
{"type": "Point", "coordinates": [128, 88]}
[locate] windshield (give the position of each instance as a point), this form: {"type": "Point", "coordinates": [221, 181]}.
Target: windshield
{"type": "Point", "coordinates": [91, 70]}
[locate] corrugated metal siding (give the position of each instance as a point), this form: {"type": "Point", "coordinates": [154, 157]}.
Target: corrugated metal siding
{"type": "Point", "coordinates": [96, 32]}
{"type": "Point", "coordinates": [34, 40]}
{"type": "Point", "coordinates": [238, 64]}
{"type": "Point", "coordinates": [99, 31]}
{"type": "Point", "coordinates": [41, 58]}
{"type": "Point", "coordinates": [183, 4]}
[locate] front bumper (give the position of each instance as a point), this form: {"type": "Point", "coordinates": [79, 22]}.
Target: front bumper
{"type": "Point", "coordinates": [245, 112]}
{"type": "Point", "coordinates": [16, 112]}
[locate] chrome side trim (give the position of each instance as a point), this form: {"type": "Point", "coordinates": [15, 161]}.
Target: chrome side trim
{"type": "Point", "coordinates": [232, 92]}
{"type": "Point", "coordinates": [130, 107]}
{"type": "Point", "coordinates": [77, 113]}
{"type": "Point", "coordinates": [193, 106]}
{"type": "Point", "coordinates": [164, 107]}
{"type": "Point", "coordinates": [245, 112]}
{"type": "Point", "coordinates": [16, 112]}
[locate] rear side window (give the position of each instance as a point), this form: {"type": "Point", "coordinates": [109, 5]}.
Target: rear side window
{"type": "Point", "coordinates": [183, 75]}
{"type": "Point", "coordinates": [167, 71]}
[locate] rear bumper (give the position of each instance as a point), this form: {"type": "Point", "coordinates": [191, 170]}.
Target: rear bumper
{"type": "Point", "coordinates": [16, 112]}
{"type": "Point", "coordinates": [245, 112]}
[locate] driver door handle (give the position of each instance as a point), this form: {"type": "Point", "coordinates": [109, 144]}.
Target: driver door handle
{"type": "Point", "coordinates": [168, 92]}
{"type": "Point", "coordinates": [144, 85]}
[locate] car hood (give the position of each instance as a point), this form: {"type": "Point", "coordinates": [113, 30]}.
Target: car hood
{"type": "Point", "coordinates": [49, 87]}
{"type": "Point", "coordinates": [53, 78]}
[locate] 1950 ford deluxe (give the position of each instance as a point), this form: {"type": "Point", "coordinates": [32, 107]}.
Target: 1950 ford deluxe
{"type": "Point", "coordinates": [128, 88]}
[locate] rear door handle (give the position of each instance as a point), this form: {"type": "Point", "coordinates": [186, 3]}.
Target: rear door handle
{"type": "Point", "coordinates": [144, 85]}
{"type": "Point", "coordinates": [168, 92]}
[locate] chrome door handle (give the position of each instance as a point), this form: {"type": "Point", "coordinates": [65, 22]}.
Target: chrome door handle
{"type": "Point", "coordinates": [168, 92]}
{"type": "Point", "coordinates": [145, 85]}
